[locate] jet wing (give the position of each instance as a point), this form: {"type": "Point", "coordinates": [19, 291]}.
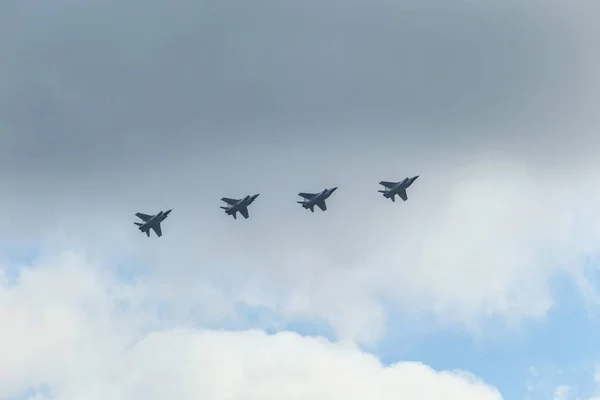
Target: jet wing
{"type": "Point", "coordinates": [244, 212]}
{"type": "Point", "coordinates": [144, 217]}
{"type": "Point", "coordinates": [307, 195]}
{"type": "Point", "coordinates": [230, 201]}
{"type": "Point", "coordinates": [402, 194]}
{"type": "Point", "coordinates": [156, 228]}
{"type": "Point", "coordinates": [321, 204]}
{"type": "Point", "coordinates": [388, 184]}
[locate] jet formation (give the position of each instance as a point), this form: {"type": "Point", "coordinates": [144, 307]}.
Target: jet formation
{"type": "Point", "coordinates": [309, 202]}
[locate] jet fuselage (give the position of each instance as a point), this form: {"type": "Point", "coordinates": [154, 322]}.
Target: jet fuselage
{"type": "Point", "coordinates": [158, 218]}
{"type": "Point", "coordinates": [403, 184]}
{"type": "Point", "coordinates": [393, 189]}
{"type": "Point", "coordinates": [324, 195]}
{"type": "Point", "coordinates": [245, 202]}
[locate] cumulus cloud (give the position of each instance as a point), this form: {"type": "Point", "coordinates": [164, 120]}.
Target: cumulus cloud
{"type": "Point", "coordinates": [71, 332]}
{"type": "Point", "coordinates": [561, 392]}
{"type": "Point", "coordinates": [109, 110]}
{"type": "Point", "coordinates": [596, 377]}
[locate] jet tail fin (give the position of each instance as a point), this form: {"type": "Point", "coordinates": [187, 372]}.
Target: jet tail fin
{"type": "Point", "coordinates": [382, 191]}
{"type": "Point", "coordinates": [138, 223]}
{"type": "Point", "coordinates": [148, 232]}
{"type": "Point", "coordinates": [224, 208]}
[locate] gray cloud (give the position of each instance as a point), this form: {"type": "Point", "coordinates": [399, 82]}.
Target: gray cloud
{"type": "Point", "coordinates": [97, 79]}
{"type": "Point", "coordinates": [108, 109]}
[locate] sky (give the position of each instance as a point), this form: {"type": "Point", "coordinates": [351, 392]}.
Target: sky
{"type": "Point", "coordinates": [484, 285]}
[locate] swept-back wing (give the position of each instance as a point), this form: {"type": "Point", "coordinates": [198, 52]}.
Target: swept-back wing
{"type": "Point", "coordinates": [143, 217]}
{"type": "Point", "coordinates": [230, 201]}
{"type": "Point", "coordinates": [156, 228]}
{"type": "Point", "coordinates": [307, 195]}
{"type": "Point", "coordinates": [388, 184]}
{"type": "Point", "coordinates": [402, 194]}
{"type": "Point", "coordinates": [244, 212]}
{"type": "Point", "coordinates": [321, 204]}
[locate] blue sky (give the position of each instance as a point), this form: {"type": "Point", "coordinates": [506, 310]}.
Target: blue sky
{"type": "Point", "coordinates": [561, 347]}
{"type": "Point", "coordinates": [565, 340]}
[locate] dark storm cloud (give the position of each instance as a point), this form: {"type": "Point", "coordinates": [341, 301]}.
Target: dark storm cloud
{"type": "Point", "coordinates": [83, 82]}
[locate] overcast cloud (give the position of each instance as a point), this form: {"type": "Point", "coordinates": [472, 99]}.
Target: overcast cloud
{"type": "Point", "coordinates": [83, 81]}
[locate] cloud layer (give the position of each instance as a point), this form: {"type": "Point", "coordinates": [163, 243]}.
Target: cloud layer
{"type": "Point", "coordinates": [75, 334]}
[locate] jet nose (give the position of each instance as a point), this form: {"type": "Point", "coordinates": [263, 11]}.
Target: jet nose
{"type": "Point", "coordinates": [168, 211]}
{"type": "Point", "coordinates": [333, 189]}
{"type": "Point", "coordinates": [255, 196]}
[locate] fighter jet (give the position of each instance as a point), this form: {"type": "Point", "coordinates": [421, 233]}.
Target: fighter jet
{"type": "Point", "coordinates": [316, 199]}
{"type": "Point", "coordinates": [152, 222]}
{"type": "Point", "coordinates": [397, 188]}
{"type": "Point", "coordinates": [241, 205]}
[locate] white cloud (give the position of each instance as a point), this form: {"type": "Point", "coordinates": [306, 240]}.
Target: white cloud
{"type": "Point", "coordinates": [63, 327]}
{"type": "Point", "coordinates": [561, 392]}
{"type": "Point", "coordinates": [596, 395]}
{"type": "Point", "coordinates": [253, 365]}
